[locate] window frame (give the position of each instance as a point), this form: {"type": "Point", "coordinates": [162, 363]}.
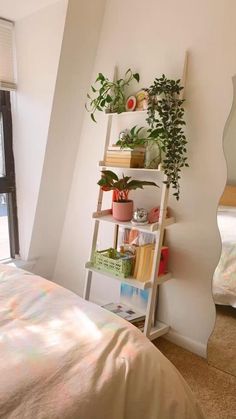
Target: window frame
{"type": "Point", "coordinates": [7, 182]}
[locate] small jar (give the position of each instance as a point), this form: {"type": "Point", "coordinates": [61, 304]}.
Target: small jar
{"type": "Point", "coordinates": [152, 155]}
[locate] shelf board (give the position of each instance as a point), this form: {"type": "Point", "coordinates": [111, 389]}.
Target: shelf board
{"type": "Point", "coordinates": [130, 169]}
{"type": "Point", "coordinates": [158, 330]}
{"type": "Point", "coordinates": [125, 113]}
{"type": "Point", "coordinates": [130, 281]}
{"type": "Point", "coordinates": [163, 278]}
{"type": "Point", "coordinates": [106, 216]}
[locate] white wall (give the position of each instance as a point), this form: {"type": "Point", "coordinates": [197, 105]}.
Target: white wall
{"type": "Point", "coordinates": [38, 45]}
{"type": "Point", "coordinates": [82, 29]}
{"type": "Point", "coordinates": [15, 10]}
{"type": "Point", "coordinates": [156, 45]}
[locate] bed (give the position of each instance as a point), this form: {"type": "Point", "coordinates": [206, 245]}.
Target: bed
{"type": "Point", "coordinates": [224, 279]}
{"type": "Point", "coordinates": [65, 358]}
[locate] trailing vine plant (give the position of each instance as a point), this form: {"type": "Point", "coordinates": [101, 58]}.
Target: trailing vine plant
{"type": "Point", "coordinates": [166, 121]}
{"type": "Point", "coordinates": [109, 95]}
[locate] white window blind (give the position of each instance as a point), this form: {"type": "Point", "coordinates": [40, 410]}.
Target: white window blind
{"type": "Point", "coordinates": [7, 73]}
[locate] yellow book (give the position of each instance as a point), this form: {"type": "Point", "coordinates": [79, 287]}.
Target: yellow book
{"type": "Point", "coordinates": [149, 263]}
{"type": "Point", "coordinates": [117, 164]}
{"type": "Point", "coordinates": [144, 262]}
{"type": "Point", "coordinates": [137, 257]}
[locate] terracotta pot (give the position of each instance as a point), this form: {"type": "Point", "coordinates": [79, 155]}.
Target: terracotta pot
{"type": "Point", "coordinates": [122, 211]}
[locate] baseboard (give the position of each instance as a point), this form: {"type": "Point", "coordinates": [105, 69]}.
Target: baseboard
{"type": "Point", "coordinates": [187, 343]}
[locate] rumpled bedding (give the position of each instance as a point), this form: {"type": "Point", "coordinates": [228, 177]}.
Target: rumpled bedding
{"type": "Point", "coordinates": [64, 358]}
{"type": "Point", "coordinates": [224, 280]}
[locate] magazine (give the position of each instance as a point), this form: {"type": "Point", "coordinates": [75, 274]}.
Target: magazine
{"type": "Point", "coordinates": [124, 311]}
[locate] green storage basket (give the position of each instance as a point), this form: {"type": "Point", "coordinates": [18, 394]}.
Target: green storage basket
{"type": "Point", "coordinates": [112, 261]}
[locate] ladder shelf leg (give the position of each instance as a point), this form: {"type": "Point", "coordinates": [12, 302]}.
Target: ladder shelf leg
{"type": "Point", "coordinates": [151, 306]}
{"type": "Point", "coordinates": [87, 286]}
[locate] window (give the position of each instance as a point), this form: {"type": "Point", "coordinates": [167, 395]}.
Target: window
{"type": "Point", "coordinates": [9, 242]}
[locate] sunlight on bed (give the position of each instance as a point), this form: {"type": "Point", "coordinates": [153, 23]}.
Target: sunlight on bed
{"type": "Point", "coordinates": [57, 335]}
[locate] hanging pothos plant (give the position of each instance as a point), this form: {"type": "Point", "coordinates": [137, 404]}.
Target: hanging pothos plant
{"type": "Point", "coordinates": [165, 120]}
{"type": "Point", "coordinates": [109, 95]}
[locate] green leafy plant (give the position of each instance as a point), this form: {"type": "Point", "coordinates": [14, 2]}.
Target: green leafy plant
{"type": "Point", "coordinates": [132, 138]}
{"type": "Point", "coordinates": [165, 120]}
{"type": "Point", "coordinates": [121, 187]}
{"type": "Point", "coordinates": [109, 95]}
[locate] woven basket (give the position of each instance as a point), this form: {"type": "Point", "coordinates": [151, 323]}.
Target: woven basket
{"type": "Point", "coordinates": [112, 261]}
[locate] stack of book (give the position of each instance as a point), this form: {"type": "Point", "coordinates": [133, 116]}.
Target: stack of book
{"type": "Point", "coordinates": [144, 261]}
{"type": "Point", "coordinates": [128, 313]}
{"type": "Point", "coordinates": [117, 157]}
{"type": "Point", "coordinates": [124, 311]}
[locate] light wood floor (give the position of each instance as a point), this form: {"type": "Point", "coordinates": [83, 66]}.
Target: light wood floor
{"type": "Point", "coordinates": [214, 389]}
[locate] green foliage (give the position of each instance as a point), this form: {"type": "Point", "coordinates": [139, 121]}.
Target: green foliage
{"type": "Point", "coordinates": [165, 120]}
{"type": "Point", "coordinates": [133, 138]}
{"type": "Point", "coordinates": [110, 182]}
{"type": "Point", "coordinates": [108, 95]}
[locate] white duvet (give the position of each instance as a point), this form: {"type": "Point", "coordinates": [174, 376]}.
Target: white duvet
{"type": "Point", "coordinates": [62, 357]}
{"type": "Point", "coordinates": [224, 280]}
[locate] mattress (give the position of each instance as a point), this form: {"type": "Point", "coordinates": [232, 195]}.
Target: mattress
{"type": "Point", "coordinates": [65, 358]}
{"type": "Point", "coordinates": [224, 279]}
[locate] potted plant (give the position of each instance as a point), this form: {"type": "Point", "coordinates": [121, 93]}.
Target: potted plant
{"type": "Point", "coordinates": [122, 207]}
{"type": "Point", "coordinates": [135, 137]}
{"type": "Point", "coordinates": [109, 95]}
{"type": "Point", "coordinates": [165, 120]}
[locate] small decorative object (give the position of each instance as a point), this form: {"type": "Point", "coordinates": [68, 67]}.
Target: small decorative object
{"type": "Point", "coordinates": [123, 135]}
{"type": "Point", "coordinates": [163, 268]}
{"type": "Point", "coordinates": [130, 103]}
{"type": "Point", "coordinates": [140, 217]}
{"type": "Point", "coordinates": [166, 121]}
{"type": "Point", "coordinates": [135, 137]}
{"type": "Point", "coordinates": [122, 207]}
{"type": "Point", "coordinates": [152, 155]}
{"type": "Point", "coordinates": [141, 100]}
{"type": "Point", "coordinates": [109, 96]}
{"type": "Point", "coordinates": [154, 214]}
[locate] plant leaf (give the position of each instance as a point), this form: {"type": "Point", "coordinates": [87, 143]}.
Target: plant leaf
{"type": "Point", "coordinates": [136, 77]}
{"type": "Point", "coordinates": [92, 116]}
{"type": "Point", "coordinates": [109, 175]}
{"type": "Point", "coordinates": [109, 99]}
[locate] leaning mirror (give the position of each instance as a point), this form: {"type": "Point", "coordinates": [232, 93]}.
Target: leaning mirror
{"type": "Point", "coordinates": [222, 343]}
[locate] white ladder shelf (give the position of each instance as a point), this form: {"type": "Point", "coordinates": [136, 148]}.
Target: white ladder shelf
{"type": "Point", "coordinates": [152, 328]}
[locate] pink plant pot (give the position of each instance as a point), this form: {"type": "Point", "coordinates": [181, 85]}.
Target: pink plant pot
{"type": "Point", "coordinates": [122, 211]}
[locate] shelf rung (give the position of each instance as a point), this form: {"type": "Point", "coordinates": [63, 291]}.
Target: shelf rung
{"type": "Point", "coordinates": [106, 216]}
{"type": "Point", "coordinates": [129, 280]}
{"type": "Point", "coordinates": [163, 278]}
{"type": "Point", "coordinates": [102, 213]}
{"type": "Point", "coordinates": [102, 164]}
{"type": "Point", "coordinates": [126, 113]}
{"type": "Point", "coordinates": [158, 330]}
